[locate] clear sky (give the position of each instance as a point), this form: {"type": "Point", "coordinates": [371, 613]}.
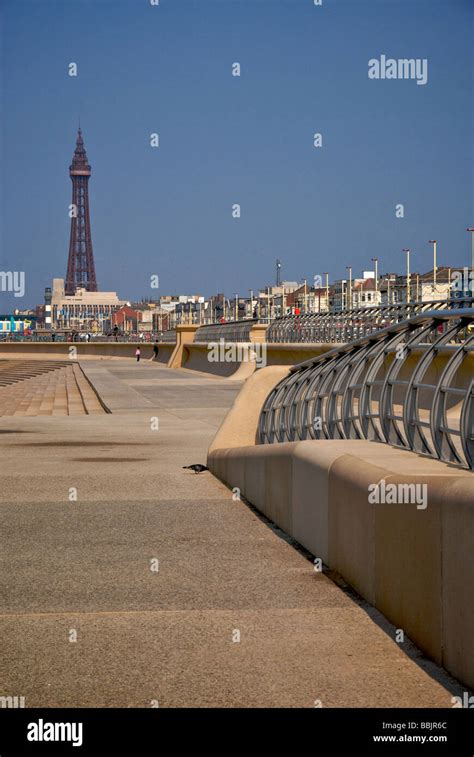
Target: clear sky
{"type": "Point", "coordinates": [226, 139]}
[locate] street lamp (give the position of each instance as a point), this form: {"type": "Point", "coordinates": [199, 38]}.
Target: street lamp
{"type": "Point", "coordinates": [433, 242]}
{"type": "Point", "coordinates": [407, 250]}
{"type": "Point", "coordinates": [349, 268]}
{"type": "Point", "coordinates": [376, 261]}
{"type": "Point", "coordinates": [471, 229]}
{"type": "Point", "coordinates": [327, 288]}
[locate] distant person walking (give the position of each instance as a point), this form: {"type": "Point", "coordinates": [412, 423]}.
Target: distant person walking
{"type": "Point", "coordinates": [155, 351]}
{"type": "Point", "coordinates": [137, 354]}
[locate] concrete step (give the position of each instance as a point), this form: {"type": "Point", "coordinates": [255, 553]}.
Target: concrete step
{"type": "Point", "coordinates": [29, 388]}
{"type": "Point", "coordinates": [89, 397]}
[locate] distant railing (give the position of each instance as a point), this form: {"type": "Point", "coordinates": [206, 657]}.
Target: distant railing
{"type": "Point", "coordinates": [348, 325]}
{"type": "Point", "coordinates": [82, 337]}
{"type": "Point", "coordinates": [167, 337]}
{"type": "Point", "coordinates": [8, 337]}
{"type": "Point", "coordinates": [410, 385]}
{"type": "Point", "coordinates": [232, 331]}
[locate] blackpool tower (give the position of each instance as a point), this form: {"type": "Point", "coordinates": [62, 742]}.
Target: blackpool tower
{"type": "Point", "coordinates": [80, 264]}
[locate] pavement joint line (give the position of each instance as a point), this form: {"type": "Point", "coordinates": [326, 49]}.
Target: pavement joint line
{"type": "Point", "coordinates": [186, 611]}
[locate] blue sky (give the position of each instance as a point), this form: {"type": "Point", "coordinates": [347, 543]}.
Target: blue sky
{"type": "Point", "coordinates": [226, 140]}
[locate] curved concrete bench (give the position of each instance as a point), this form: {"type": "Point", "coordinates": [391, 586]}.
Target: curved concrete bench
{"type": "Point", "coordinates": [414, 564]}
{"type": "Point", "coordinates": [292, 354]}
{"type": "Point", "coordinates": [196, 357]}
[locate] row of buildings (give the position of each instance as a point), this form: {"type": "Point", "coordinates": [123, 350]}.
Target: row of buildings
{"type": "Point", "coordinates": [105, 313]}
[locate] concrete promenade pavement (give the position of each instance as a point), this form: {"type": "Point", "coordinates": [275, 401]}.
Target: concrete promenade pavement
{"type": "Point", "coordinates": [84, 567]}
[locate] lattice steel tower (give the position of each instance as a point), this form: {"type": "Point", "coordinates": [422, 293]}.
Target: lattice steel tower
{"type": "Point", "coordinates": [80, 264]}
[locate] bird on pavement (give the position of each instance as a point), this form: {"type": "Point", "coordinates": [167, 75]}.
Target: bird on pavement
{"type": "Point", "coordinates": [197, 467]}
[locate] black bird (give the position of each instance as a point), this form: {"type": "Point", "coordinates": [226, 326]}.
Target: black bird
{"type": "Point", "coordinates": [197, 467]}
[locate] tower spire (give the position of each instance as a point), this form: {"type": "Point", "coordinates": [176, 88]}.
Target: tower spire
{"type": "Point", "coordinates": [80, 266]}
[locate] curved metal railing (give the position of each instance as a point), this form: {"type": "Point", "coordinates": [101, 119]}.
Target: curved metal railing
{"type": "Point", "coordinates": [348, 325]}
{"type": "Point", "coordinates": [410, 385]}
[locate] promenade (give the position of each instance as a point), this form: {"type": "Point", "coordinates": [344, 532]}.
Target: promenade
{"type": "Point", "coordinates": [90, 503]}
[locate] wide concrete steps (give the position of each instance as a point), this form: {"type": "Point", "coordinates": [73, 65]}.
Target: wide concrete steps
{"type": "Point", "coordinates": [12, 371]}
{"type": "Point", "coordinates": [55, 388]}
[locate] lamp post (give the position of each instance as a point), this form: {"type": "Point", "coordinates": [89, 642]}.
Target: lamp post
{"type": "Point", "coordinates": [376, 261]}
{"type": "Point", "coordinates": [433, 242]}
{"type": "Point", "coordinates": [471, 229]}
{"type": "Point", "coordinates": [327, 289]}
{"type": "Point", "coordinates": [407, 250]}
{"type": "Point", "coordinates": [349, 268]}
{"type": "Point", "coordinates": [278, 272]}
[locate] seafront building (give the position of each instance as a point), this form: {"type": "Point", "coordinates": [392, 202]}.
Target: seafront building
{"type": "Point", "coordinates": [82, 311]}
